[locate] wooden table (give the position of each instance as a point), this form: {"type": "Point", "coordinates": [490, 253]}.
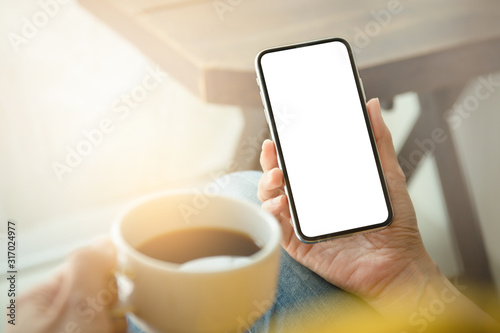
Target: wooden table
{"type": "Point", "coordinates": [432, 47]}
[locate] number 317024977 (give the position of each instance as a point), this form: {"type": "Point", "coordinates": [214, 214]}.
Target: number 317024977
{"type": "Point", "coordinates": [11, 245]}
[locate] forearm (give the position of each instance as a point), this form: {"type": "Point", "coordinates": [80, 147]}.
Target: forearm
{"type": "Point", "coordinates": [425, 300]}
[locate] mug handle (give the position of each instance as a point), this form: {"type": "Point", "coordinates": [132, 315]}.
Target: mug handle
{"type": "Point", "coordinates": [124, 280]}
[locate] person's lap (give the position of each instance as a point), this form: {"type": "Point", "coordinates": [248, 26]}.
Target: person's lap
{"type": "Point", "coordinates": [302, 295]}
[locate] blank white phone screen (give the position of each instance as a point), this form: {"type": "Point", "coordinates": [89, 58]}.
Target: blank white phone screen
{"type": "Point", "coordinates": [324, 139]}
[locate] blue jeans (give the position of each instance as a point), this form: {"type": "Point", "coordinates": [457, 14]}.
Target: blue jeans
{"type": "Point", "coordinates": [302, 295]}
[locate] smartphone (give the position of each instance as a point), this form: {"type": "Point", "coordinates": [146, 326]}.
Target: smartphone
{"type": "Point", "coordinates": [315, 107]}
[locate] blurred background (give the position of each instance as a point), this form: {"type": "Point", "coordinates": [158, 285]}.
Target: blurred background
{"type": "Point", "coordinates": [90, 121]}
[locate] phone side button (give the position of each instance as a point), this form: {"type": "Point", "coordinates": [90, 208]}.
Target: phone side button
{"type": "Point", "coordinates": [267, 116]}
{"type": "Point", "coordinates": [263, 99]}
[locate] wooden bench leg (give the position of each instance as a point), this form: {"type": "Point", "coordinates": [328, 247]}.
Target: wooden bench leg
{"type": "Point", "coordinates": [461, 209]}
{"type": "Point", "coordinates": [431, 135]}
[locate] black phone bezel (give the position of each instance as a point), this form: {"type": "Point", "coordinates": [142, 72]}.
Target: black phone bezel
{"type": "Point", "coordinates": [273, 128]}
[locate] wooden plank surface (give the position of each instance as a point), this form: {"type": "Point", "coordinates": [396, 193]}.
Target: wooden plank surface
{"type": "Point", "coordinates": [407, 45]}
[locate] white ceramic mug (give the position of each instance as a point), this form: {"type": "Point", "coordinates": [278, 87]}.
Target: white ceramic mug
{"type": "Point", "coordinates": [214, 295]}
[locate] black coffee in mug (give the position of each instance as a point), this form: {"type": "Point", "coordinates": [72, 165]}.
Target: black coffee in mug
{"type": "Point", "coordinates": [184, 245]}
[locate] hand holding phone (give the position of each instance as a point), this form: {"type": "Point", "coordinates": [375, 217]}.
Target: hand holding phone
{"type": "Point", "coordinates": [364, 263]}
